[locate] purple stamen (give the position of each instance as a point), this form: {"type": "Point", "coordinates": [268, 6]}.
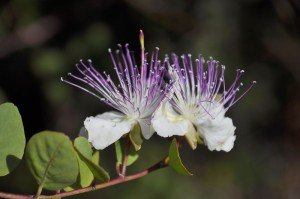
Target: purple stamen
{"type": "Point", "coordinates": [138, 92]}
{"type": "Point", "coordinates": [203, 84]}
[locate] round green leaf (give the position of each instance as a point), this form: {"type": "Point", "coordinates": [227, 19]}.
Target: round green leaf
{"type": "Point", "coordinates": [12, 138]}
{"type": "Point", "coordinates": [52, 160]}
{"type": "Point", "coordinates": [175, 160]}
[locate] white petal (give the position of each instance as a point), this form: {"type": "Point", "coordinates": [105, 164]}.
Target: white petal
{"type": "Point", "coordinates": [107, 128]}
{"type": "Point", "coordinates": [147, 130]}
{"type": "Point", "coordinates": [218, 134]}
{"type": "Point", "coordinates": [228, 145]}
{"type": "Point", "coordinates": [166, 122]}
{"type": "Point", "coordinates": [211, 110]}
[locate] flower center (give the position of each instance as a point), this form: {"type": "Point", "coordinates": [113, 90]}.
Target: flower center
{"type": "Point", "coordinates": [190, 111]}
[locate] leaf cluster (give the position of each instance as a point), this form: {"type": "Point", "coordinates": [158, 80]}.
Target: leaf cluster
{"type": "Point", "coordinates": [59, 163]}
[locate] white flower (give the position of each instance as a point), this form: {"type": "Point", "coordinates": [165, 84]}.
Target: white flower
{"type": "Point", "coordinates": [137, 95]}
{"type": "Point", "coordinates": [167, 122]}
{"type": "Point", "coordinates": [195, 107]}
{"type": "Point", "coordinates": [217, 134]}
{"type": "Point", "coordinates": [106, 128]}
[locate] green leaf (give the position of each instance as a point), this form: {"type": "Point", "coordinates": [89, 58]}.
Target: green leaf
{"type": "Point", "coordinates": [84, 150]}
{"type": "Point", "coordinates": [84, 147]}
{"type": "Point", "coordinates": [135, 136]}
{"type": "Point", "coordinates": [12, 138]}
{"type": "Point", "coordinates": [119, 153]}
{"type": "Point", "coordinates": [98, 171]}
{"type": "Point", "coordinates": [96, 157]}
{"type": "Point", "coordinates": [132, 154]}
{"type": "Point", "coordinates": [85, 177]}
{"type": "Point", "coordinates": [52, 160]}
{"type": "Point", "coordinates": [175, 161]}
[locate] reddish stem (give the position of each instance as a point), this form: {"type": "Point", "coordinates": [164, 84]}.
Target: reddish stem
{"type": "Point", "coordinates": [118, 169]}
{"type": "Point", "coordinates": [159, 165]}
{"type": "Point", "coordinates": [124, 163]}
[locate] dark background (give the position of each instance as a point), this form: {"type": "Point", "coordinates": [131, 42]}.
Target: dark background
{"type": "Point", "coordinates": [41, 40]}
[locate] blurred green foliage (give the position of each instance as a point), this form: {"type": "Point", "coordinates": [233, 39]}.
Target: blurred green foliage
{"type": "Point", "coordinates": [12, 138]}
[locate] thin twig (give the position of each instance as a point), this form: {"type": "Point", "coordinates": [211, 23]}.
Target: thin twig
{"type": "Point", "coordinates": [119, 180]}
{"type": "Point", "coordinates": [118, 171]}
{"type": "Point", "coordinates": [15, 196]}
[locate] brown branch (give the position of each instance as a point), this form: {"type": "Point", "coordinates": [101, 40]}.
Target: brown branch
{"type": "Point", "coordinates": [15, 196]}
{"type": "Point", "coordinates": [119, 180]}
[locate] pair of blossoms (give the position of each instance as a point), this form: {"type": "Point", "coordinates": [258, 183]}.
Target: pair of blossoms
{"type": "Point", "coordinates": [174, 97]}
